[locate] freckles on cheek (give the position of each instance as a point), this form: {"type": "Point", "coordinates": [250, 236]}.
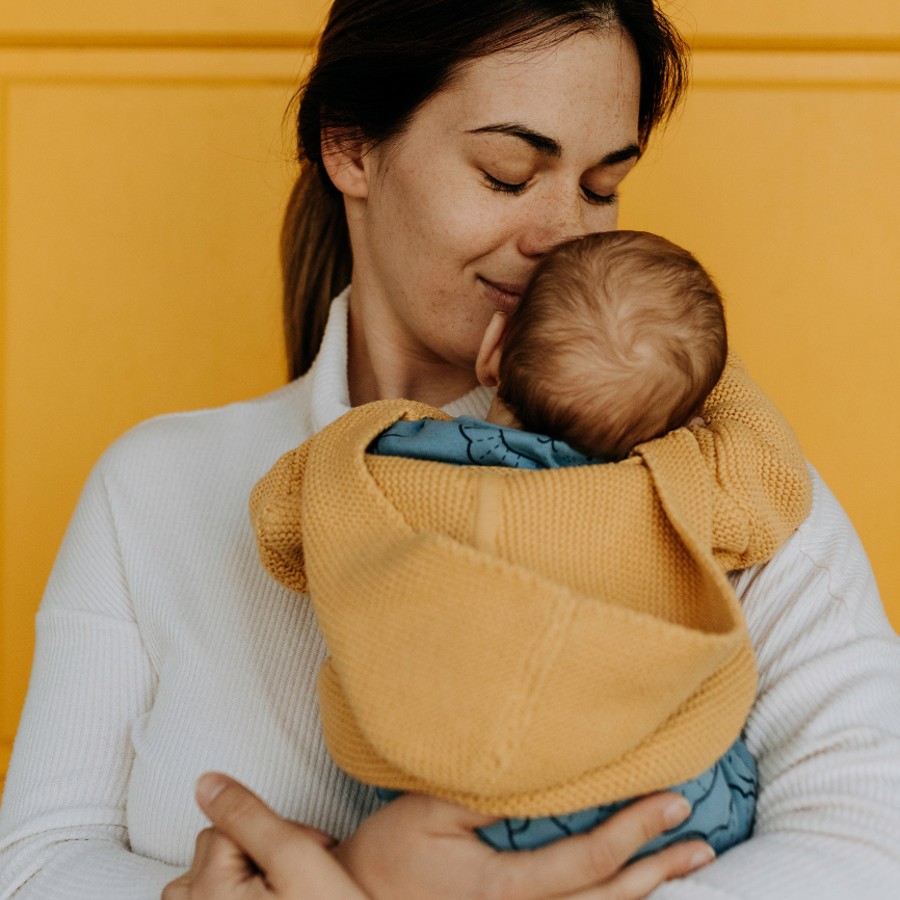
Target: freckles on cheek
{"type": "Point", "coordinates": [420, 218]}
{"type": "Point", "coordinates": [440, 214]}
{"type": "Point", "coordinates": [456, 206]}
{"type": "Point", "coordinates": [460, 225]}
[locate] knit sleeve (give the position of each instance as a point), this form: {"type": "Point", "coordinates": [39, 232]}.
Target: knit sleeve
{"type": "Point", "coordinates": [276, 517]}
{"type": "Point", "coordinates": [63, 826]}
{"type": "Point", "coordinates": [825, 727]}
{"type": "Point", "coordinates": [757, 476]}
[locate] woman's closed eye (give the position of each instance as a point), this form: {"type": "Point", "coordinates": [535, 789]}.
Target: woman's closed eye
{"type": "Point", "coordinates": [516, 188]}
{"type": "Point", "coordinates": [600, 199]}
{"type": "Point", "coordinates": [504, 187]}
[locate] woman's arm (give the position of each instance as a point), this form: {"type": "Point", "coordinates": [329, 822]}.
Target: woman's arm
{"type": "Point", "coordinates": [825, 727]}
{"type": "Point", "coordinates": [63, 831]}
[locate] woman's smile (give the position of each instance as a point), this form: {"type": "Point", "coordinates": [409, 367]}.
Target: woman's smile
{"type": "Point", "coordinates": [505, 296]}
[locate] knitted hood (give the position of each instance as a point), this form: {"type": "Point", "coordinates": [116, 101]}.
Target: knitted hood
{"type": "Point", "coordinates": [529, 643]}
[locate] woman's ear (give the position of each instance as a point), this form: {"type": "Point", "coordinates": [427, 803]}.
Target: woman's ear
{"type": "Point", "coordinates": [487, 364]}
{"type": "Point", "coordinates": [343, 152]}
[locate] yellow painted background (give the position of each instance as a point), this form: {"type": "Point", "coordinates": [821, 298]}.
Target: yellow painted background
{"type": "Point", "coordinates": [144, 163]}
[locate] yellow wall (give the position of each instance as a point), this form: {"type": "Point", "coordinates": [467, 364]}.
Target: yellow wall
{"type": "Point", "coordinates": [781, 175]}
{"type": "Point", "coordinates": [144, 165]}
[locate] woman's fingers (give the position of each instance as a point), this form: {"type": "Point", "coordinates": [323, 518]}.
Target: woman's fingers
{"type": "Point", "coordinates": [262, 834]}
{"type": "Point", "coordinates": [226, 801]}
{"type": "Point", "coordinates": [643, 877]}
{"type": "Point", "coordinates": [202, 846]}
{"type": "Point", "coordinates": [577, 863]}
{"type": "Point", "coordinates": [179, 889]}
{"type": "Point", "coordinates": [293, 859]}
{"type": "Point", "coordinates": [217, 862]}
{"type": "Point", "coordinates": [222, 862]}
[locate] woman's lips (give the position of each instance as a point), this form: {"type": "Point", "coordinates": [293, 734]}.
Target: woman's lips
{"type": "Point", "coordinates": [504, 296]}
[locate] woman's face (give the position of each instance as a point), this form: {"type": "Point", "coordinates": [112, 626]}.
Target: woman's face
{"type": "Point", "coordinates": [523, 150]}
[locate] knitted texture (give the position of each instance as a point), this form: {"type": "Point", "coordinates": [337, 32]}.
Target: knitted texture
{"type": "Point", "coordinates": [529, 643]}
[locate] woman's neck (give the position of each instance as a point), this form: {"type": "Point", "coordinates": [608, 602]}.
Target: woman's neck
{"type": "Point", "coordinates": [379, 368]}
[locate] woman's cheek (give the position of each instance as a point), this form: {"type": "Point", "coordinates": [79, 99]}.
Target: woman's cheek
{"type": "Point", "coordinates": [466, 213]}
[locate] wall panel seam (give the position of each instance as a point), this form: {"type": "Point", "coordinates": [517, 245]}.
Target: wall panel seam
{"type": "Point", "coordinates": [127, 79]}
{"type": "Point", "coordinates": [788, 84]}
{"type": "Point", "coordinates": [755, 43]}
{"type": "Point", "coordinates": [797, 43]}
{"type": "Point", "coordinates": [154, 41]}
{"type": "Point", "coordinates": [19, 66]}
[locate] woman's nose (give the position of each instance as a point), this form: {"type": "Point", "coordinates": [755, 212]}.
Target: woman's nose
{"type": "Point", "coordinates": [551, 224]}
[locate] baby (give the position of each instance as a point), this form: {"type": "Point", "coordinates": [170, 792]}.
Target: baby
{"type": "Point", "coordinates": [619, 338]}
{"type": "Point", "coordinates": [530, 644]}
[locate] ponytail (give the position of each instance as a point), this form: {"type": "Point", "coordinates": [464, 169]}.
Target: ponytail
{"type": "Point", "coordinates": [315, 263]}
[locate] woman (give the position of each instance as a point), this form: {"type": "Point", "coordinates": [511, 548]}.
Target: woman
{"type": "Point", "coordinates": [450, 144]}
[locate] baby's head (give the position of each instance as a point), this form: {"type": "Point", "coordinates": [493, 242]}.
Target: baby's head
{"type": "Point", "coordinates": [619, 337]}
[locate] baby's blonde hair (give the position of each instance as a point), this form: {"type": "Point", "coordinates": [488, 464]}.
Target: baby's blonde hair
{"type": "Point", "coordinates": [619, 338]}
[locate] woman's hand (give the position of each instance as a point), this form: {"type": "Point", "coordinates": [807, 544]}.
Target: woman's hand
{"type": "Point", "coordinates": [418, 846]}
{"type": "Point", "coordinates": [251, 853]}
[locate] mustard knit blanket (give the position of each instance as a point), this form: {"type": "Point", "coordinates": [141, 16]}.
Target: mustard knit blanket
{"type": "Point", "coordinates": [531, 643]}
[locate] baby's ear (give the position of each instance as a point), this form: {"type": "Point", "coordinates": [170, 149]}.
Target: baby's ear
{"type": "Point", "coordinates": [487, 365]}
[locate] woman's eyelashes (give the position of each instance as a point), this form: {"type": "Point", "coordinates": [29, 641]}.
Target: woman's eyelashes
{"type": "Point", "coordinates": [516, 188]}
{"type": "Point", "coordinates": [504, 187]}
{"type": "Point", "coordinates": [600, 199]}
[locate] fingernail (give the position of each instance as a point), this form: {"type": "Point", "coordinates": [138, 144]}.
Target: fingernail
{"type": "Point", "coordinates": [676, 812]}
{"type": "Point", "coordinates": [702, 857]}
{"type": "Point", "coordinates": [209, 786]}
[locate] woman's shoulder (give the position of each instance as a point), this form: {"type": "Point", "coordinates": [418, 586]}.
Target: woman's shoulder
{"type": "Point", "coordinates": [238, 435]}
{"type": "Point", "coordinates": [820, 575]}
{"type": "Point", "coordinates": [828, 540]}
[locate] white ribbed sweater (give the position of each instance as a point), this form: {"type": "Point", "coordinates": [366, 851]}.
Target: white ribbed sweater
{"type": "Point", "coordinates": [164, 650]}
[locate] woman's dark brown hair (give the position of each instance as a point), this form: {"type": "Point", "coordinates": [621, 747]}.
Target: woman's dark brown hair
{"type": "Point", "coordinates": [378, 61]}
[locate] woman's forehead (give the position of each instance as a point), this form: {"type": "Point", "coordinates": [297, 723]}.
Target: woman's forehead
{"type": "Point", "coordinates": [574, 90]}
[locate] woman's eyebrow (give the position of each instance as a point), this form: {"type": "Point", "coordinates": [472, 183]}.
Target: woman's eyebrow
{"type": "Point", "coordinates": [548, 146]}
{"type": "Point", "coordinates": [632, 151]}
{"type": "Point", "coordinates": [540, 142]}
